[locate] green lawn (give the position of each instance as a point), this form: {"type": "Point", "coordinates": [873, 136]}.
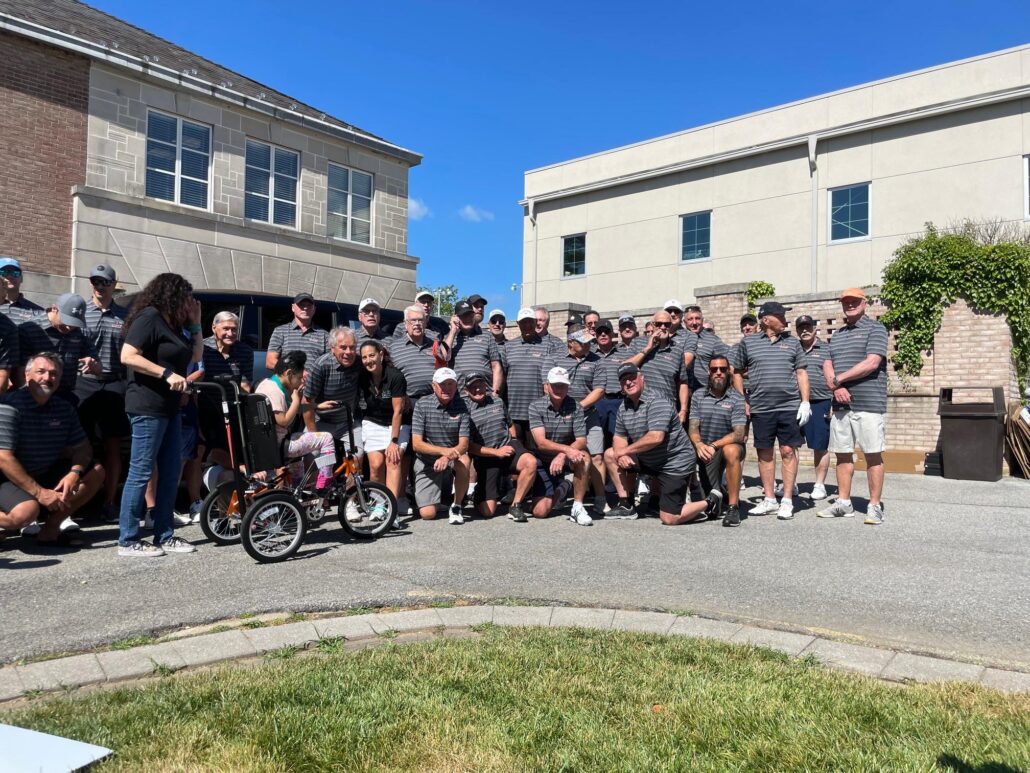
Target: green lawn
{"type": "Point", "coordinates": [537, 699]}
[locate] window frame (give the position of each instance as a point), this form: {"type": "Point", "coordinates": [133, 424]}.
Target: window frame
{"type": "Point", "coordinates": [1026, 187]}
{"type": "Point", "coordinates": [691, 261]}
{"type": "Point", "coordinates": [177, 175]}
{"type": "Point", "coordinates": [829, 213]}
{"type": "Point", "coordinates": [350, 205]}
{"type": "Point", "coordinates": [562, 269]}
{"type": "Point", "coordinates": [271, 185]}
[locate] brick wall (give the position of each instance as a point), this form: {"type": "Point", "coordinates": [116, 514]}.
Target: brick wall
{"type": "Point", "coordinates": [43, 103]}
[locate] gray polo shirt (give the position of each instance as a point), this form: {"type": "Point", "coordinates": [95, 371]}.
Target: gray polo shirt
{"type": "Point", "coordinates": [771, 364]}
{"type": "Point", "coordinates": [704, 346]}
{"type": "Point", "coordinates": [416, 362]}
{"type": "Point", "coordinates": [582, 373]}
{"type": "Point", "coordinates": [606, 374]}
{"type": "Point", "coordinates": [10, 347]}
{"type": "Point", "coordinates": [490, 421]}
{"type": "Point", "coordinates": [848, 347]}
{"type": "Point", "coordinates": [329, 380]}
{"type": "Point", "coordinates": [718, 415]}
{"type": "Point", "coordinates": [239, 364]}
{"type": "Point", "coordinates": [36, 335]}
{"type": "Point", "coordinates": [655, 412]}
{"type": "Point", "coordinates": [361, 335]}
{"type": "Point", "coordinates": [562, 425]}
{"type": "Point", "coordinates": [104, 331]}
{"type": "Point", "coordinates": [554, 344]}
{"type": "Point", "coordinates": [438, 424]}
{"type": "Point", "coordinates": [523, 375]}
{"type": "Point", "coordinates": [817, 389]}
{"type": "Point", "coordinates": [436, 328]}
{"type": "Point", "coordinates": [37, 434]}
{"type": "Point", "coordinates": [21, 310]}
{"type": "Point", "coordinates": [663, 368]}
{"type": "Point", "coordinates": [475, 353]}
{"type": "Point", "coordinates": [314, 341]}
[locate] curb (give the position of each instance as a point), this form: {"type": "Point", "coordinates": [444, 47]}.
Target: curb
{"type": "Point", "coordinates": [205, 649]}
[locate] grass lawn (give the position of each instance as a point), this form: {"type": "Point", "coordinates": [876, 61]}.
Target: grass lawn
{"type": "Point", "coordinates": [537, 699]}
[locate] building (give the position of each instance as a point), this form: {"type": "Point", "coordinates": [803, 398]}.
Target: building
{"type": "Point", "coordinates": [812, 196]}
{"type": "Point", "coordinates": [120, 147]}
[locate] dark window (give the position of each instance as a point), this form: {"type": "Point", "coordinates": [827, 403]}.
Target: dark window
{"type": "Point", "coordinates": [697, 236]}
{"type": "Point", "coordinates": [178, 158]}
{"type": "Point", "coordinates": [849, 212]}
{"type": "Point", "coordinates": [271, 184]}
{"type": "Point", "coordinates": [574, 255]}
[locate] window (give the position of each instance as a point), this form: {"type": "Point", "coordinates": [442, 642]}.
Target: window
{"type": "Point", "coordinates": [574, 255]}
{"type": "Point", "coordinates": [1026, 187]}
{"type": "Point", "coordinates": [697, 236]}
{"type": "Point", "coordinates": [849, 213]}
{"type": "Point", "coordinates": [271, 184]}
{"type": "Point", "coordinates": [349, 206]}
{"type": "Point", "coordinates": [178, 156]}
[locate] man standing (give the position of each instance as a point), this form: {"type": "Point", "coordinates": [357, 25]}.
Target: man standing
{"type": "Point", "coordinates": [857, 373]}
{"type": "Point", "coordinates": [300, 334]}
{"type": "Point", "coordinates": [699, 346]}
{"type": "Point", "coordinates": [473, 350]}
{"type": "Point", "coordinates": [440, 433]}
{"type": "Point", "coordinates": [496, 323]}
{"type": "Point", "coordinates": [606, 376]}
{"type": "Point", "coordinates": [478, 304]}
{"type": "Point", "coordinates": [434, 327]}
{"type": "Point", "coordinates": [675, 311]}
{"type": "Point", "coordinates": [13, 304]}
{"type": "Point", "coordinates": [413, 354]}
{"type": "Point", "coordinates": [543, 322]}
{"type": "Point", "coordinates": [590, 322]}
{"type": "Point", "coordinates": [526, 356]}
{"type": "Point", "coordinates": [817, 430]}
{"type": "Point", "coordinates": [60, 329]}
{"type": "Point", "coordinates": [775, 363]}
{"type": "Point", "coordinates": [368, 316]}
{"type": "Point", "coordinates": [717, 431]}
{"type": "Point", "coordinates": [661, 361]}
{"type": "Point", "coordinates": [331, 389]}
{"type": "Point", "coordinates": [627, 331]}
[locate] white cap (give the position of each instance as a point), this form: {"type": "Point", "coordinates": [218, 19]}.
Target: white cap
{"type": "Point", "coordinates": [558, 376]}
{"type": "Point", "coordinates": [672, 303]}
{"type": "Point", "coordinates": [525, 313]}
{"type": "Point", "coordinates": [368, 302]}
{"type": "Point", "coordinates": [496, 313]}
{"type": "Point", "coordinates": [444, 374]}
{"type": "Point", "coordinates": [424, 294]}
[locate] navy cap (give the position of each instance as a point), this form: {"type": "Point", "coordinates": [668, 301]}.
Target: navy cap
{"type": "Point", "coordinates": [804, 319]}
{"type": "Point", "coordinates": [774, 308]}
{"type": "Point", "coordinates": [301, 297]}
{"type": "Point", "coordinates": [628, 369]}
{"type": "Point", "coordinates": [463, 307]}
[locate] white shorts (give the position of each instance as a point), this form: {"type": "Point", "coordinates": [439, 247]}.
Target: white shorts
{"type": "Point", "coordinates": [850, 428]}
{"type": "Point", "coordinates": [376, 437]}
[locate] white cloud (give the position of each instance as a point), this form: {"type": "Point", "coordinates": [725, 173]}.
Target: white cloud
{"type": "Point", "coordinates": [474, 215]}
{"type": "Point", "coordinates": [417, 209]}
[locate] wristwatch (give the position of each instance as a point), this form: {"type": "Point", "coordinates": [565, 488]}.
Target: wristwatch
{"type": "Point", "coordinates": [166, 373]}
{"type": "Point", "coordinates": [394, 440]}
{"type": "Point", "coordinates": [836, 383]}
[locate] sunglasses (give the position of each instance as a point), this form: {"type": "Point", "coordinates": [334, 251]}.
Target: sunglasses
{"type": "Point", "coordinates": [663, 324]}
{"type": "Point", "coordinates": [12, 272]}
{"type": "Point", "coordinates": [100, 282]}
{"type": "Point", "coordinates": [718, 369]}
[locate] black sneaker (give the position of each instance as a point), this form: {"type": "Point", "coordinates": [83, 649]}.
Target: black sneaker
{"type": "Point", "coordinates": [731, 516]}
{"type": "Point", "coordinates": [714, 509]}
{"type": "Point", "coordinates": [516, 514]}
{"type": "Point", "coordinates": [621, 513]}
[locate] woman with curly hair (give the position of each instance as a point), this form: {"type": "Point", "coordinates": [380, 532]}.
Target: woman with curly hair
{"type": "Point", "coordinates": [385, 437]}
{"type": "Point", "coordinates": [157, 355]}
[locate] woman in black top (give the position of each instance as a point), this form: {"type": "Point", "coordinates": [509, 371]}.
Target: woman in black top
{"type": "Point", "coordinates": [157, 356]}
{"type": "Point", "coordinates": [385, 439]}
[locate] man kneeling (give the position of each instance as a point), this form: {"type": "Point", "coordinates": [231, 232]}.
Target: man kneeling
{"type": "Point", "coordinates": [44, 455]}
{"type": "Point", "coordinates": [440, 438]}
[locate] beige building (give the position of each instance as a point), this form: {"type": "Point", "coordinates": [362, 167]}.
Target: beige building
{"type": "Point", "coordinates": [812, 196]}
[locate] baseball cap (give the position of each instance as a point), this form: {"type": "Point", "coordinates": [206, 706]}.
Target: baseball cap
{"type": "Point", "coordinates": [8, 262]}
{"type": "Point", "coordinates": [774, 308]}
{"type": "Point", "coordinates": [557, 376]}
{"type": "Point", "coordinates": [627, 319]}
{"type": "Point", "coordinates": [476, 298]}
{"type": "Point", "coordinates": [749, 318]}
{"type": "Point", "coordinates": [424, 294]}
{"type": "Point", "coordinates": [672, 303]}
{"type": "Point", "coordinates": [525, 313]}
{"type": "Point", "coordinates": [301, 297]}
{"type": "Point", "coordinates": [804, 319]}
{"type": "Point", "coordinates": [628, 369]}
{"type": "Point", "coordinates": [603, 325]}
{"type": "Point", "coordinates": [853, 292]}
{"type": "Point", "coordinates": [575, 318]}
{"type": "Point", "coordinates": [463, 307]}
{"type": "Point", "coordinates": [444, 374]}
{"type": "Point", "coordinates": [103, 271]}
{"type": "Point", "coordinates": [496, 313]}
{"type": "Point", "coordinates": [581, 336]}
{"type": "Point", "coordinates": [476, 375]}
{"type": "Point", "coordinates": [368, 302]}
{"type": "Point", "coordinates": [72, 310]}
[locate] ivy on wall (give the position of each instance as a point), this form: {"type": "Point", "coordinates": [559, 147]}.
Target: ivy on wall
{"type": "Point", "coordinates": [758, 289]}
{"type": "Point", "coordinates": [930, 272]}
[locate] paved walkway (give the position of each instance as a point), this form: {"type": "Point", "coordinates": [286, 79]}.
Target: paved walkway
{"type": "Point", "coordinates": [208, 648]}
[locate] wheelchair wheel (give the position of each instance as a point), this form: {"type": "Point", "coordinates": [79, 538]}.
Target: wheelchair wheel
{"type": "Point", "coordinates": [375, 518]}
{"type": "Point", "coordinates": [274, 527]}
{"type": "Point", "coordinates": [219, 524]}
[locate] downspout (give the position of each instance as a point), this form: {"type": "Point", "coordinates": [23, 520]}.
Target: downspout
{"type": "Point", "coordinates": [531, 204]}
{"type": "Point", "coordinates": [813, 171]}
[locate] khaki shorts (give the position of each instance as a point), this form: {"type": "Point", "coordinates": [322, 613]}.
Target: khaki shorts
{"type": "Point", "coordinates": [850, 428]}
{"type": "Point", "coordinates": [430, 484]}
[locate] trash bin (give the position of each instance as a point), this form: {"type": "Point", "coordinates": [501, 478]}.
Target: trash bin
{"type": "Point", "coordinates": [972, 436]}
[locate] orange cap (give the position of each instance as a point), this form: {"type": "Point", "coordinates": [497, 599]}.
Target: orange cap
{"type": "Point", "coordinates": [853, 292]}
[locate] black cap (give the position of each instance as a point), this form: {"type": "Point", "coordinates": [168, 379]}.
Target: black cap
{"type": "Point", "coordinates": [628, 369]}
{"type": "Point", "coordinates": [575, 318]}
{"type": "Point", "coordinates": [804, 319]}
{"type": "Point", "coordinates": [300, 297]}
{"type": "Point", "coordinates": [750, 319]}
{"type": "Point", "coordinates": [476, 298]}
{"type": "Point", "coordinates": [463, 307]}
{"type": "Point", "coordinates": [603, 325]}
{"type": "Point", "coordinates": [775, 308]}
{"type": "Point", "coordinates": [475, 375]}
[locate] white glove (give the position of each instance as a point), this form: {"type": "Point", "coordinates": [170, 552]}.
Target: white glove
{"type": "Point", "coordinates": [804, 413]}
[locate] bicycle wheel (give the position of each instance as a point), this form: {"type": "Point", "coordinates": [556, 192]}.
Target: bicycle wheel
{"type": "Point", "coordinates": [273, 528]}
{"type": "Point", "coordinates": [375, 518]}
{"type": "Point", "coordinates": [220, 514]}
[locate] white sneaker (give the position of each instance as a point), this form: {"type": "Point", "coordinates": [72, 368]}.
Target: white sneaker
{"type": "Point", "coordinates": [353, 514]}
{"type": "Point", "coordinates": [195, 511]}
{"type": "Point", "coordinates": [455, 518]}
{"type": "Point", "coordinates": [69, 525]}
{"type": "Point", "coordinates": [779, 490]}
{"type": "Point", "coordinates": [786, 511]}
{"type": "Point", "coordinates": [180, 520]}
{"type": "Point", "coordinates": [177, 545]}
{"type": "Point", "coordinates": [31, 530]}
{"type": "Point", "coordinates": [818, 491]}
{"type": "Point", "coordinates": [140, 550]}
{"type": "Point", "coordinates": [580, 515]}
{"type": "Point", "coordinates": [378, 512]}
{"type": "Point", "coordinates": [765, 507]}
{"type": "Point", "coordinates": [838, 510]}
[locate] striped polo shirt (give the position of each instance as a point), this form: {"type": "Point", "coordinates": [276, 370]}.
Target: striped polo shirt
{"type": "Point", "coordinates": [561, 425]}
{"type": "Point", "coordinates": [705, 345]}
{"type": "Point", "coordinates": [606, 374]}
{"type": "Point", "coordinates": [20, 310]}
{"type": "Point", "coordinates": [314, 341]}
{"type": "Point", "coordinates": [239, 364]}
{"type": "Point", "coordinates": [329, 380]}
{"type": "Point", "coordinates": [490, 422]}
{"type": "Point", "coordinates": [655, 412]}
{"type": "Point", "coordinates": [104, 331]}
{"type": "Point", "coordinates": [848, 347]}
{"type": "Point", "coordinates": [582, 373]}
{"type": "Point", "coordinates": [474, 353]}
{"type": "Point", "coordinates": [416, 362]}
{"type": "Point", "coordinates": [436, 328]}
{"type": "Point", "coordinates": [10, 347]}
{"type": "Point", "coordinates": [771, 364]}
{"type": "Point", "coordinates": [37, 434]}
{"type": "Point", "coordinates": [526, 358]}
{"type": "Point", "coordinates": [361, 335]}
{"type": "Point", "coordinates": [554, 344]}
{"type": "Point", "coordinates": [718, 415]}
{"type": "Point", "coordinates": [817, 389]}
{"type": "Point", "coordinates": [438, 424]}
{"type": "Point", "coordinates": [663, 367]}
{"type": "Point", "coordinates": [37, 335]}
{"type": "Point", "coordinates": [734, 350]}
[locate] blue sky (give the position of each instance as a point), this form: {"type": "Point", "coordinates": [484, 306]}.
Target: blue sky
{"type": "Point", "coordinates": [487, 90]}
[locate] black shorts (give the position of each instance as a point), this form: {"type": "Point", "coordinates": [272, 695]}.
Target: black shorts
{"type": "Point", "coordinates": [547, 484]}
{"type": "Point", "coordinates": [102, 408]}
{"type": "Point", "coordinates": [775, 426]}
{"type": "Point", "coordinates": [673, 490]}
{"type": "Point", "coordinates": [523, 434]}
{"type": "Point", "coordinates": [491, 472]}
{"type": "Point", "coordinates": [11, 495]}
{"type": "Point", "coordinates": [711, 472]}
{"type": "Point", "coordinates": [211, 424]}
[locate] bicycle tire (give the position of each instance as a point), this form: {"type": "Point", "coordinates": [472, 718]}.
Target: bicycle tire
{"type": "Point", "coordinates": [366, 527]}
{"type": "Point", "coordinates": [218, 526]}
{"type": "Point", "coordinates": [268, 542]}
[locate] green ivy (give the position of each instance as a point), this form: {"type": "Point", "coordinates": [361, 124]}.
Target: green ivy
{"type": "Point", "coordinates": [930, 272]}
{"type": "Point", "coordinates": [758, 289]}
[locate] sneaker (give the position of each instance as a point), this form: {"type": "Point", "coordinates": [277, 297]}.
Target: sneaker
{"type": "Point", "coordinates": [31, 530]}
{"type": "Point", "coordinates": [140, 550]}
{"type": "Point", "coordinates": [378, 512]}
{"type": "Point", "coordinates": [601, 504]}
{"type": "Point", "coordinates": [177, 545]}
{"type": "Point", "coordinates": [455, 518]}
{"type": "Point", "coordinates": [353, 514]}
{"type": "Point", "coordinates": [195, 511]}
{"type": "Point", "coordinates": [714, 509]}
{"type": "Point", "coordinates": [779, 490]}
{"type": "Point", "coordinates": [68, 525]}
{"type": "Point", "coordinates": [838, 510]}
{"type": "Point", "coordinates": [874, 516]}
{"type": "Point", "coordinates": [621, 513]}
{"type": "Point", "coordinates": [111, 513]}
{"type": "Point", "coordinates": [786, 511]}
{"type": "Point", "coordinates": [765, 507]}
{"type": "Point", "coordinates": [179, 520]}
{"type": "Point", "coordinates": [579, 515]}
{"type": "Point", "coordinates": [818, 491]}
{"type": "Point", "coordinates": [732, 516]}
{"type": "Point", "coordinates": [516, 514]}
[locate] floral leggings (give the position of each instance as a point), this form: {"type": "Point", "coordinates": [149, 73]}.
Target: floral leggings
{"type": "Point", "coordinates": [318, 443]}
